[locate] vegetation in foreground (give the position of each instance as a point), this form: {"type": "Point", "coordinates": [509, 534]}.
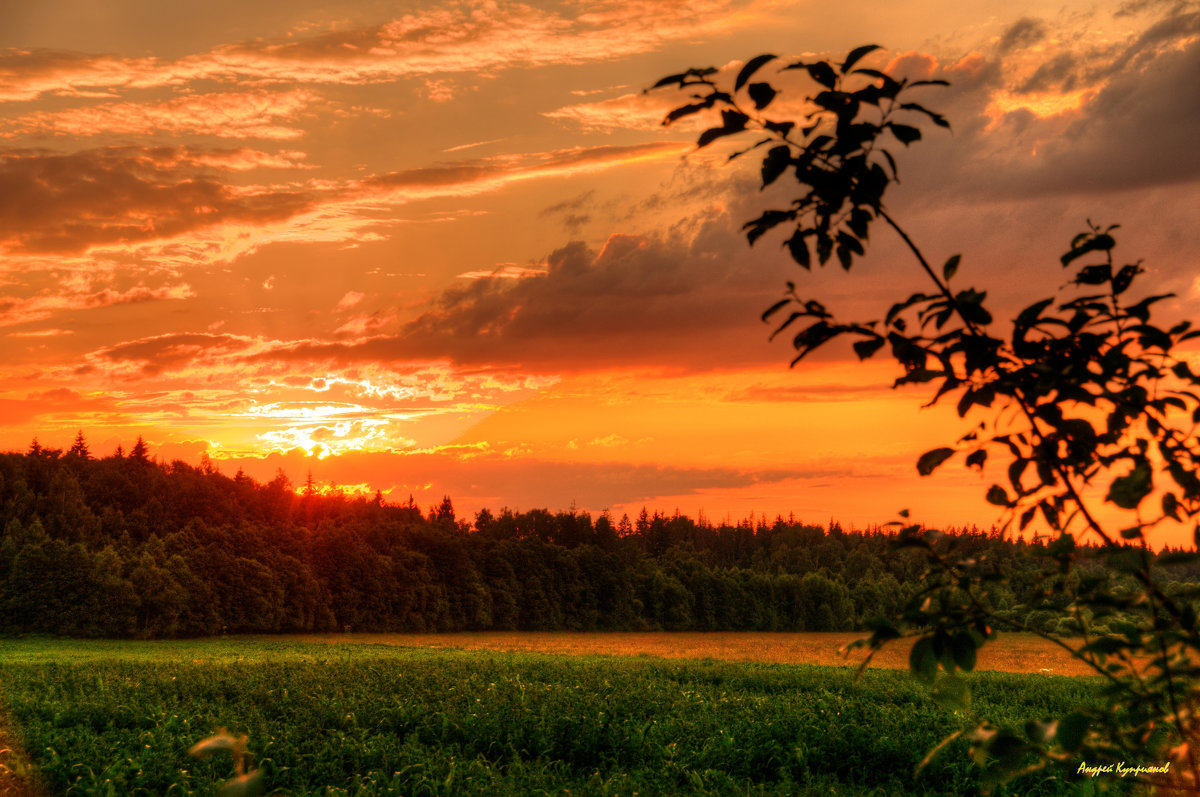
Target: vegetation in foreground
{"type": "Point", "coordinates": [107, 718]}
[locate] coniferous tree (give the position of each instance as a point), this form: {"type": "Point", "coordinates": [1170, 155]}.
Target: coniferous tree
{"type": "Point", "coordinates": [79, 449]}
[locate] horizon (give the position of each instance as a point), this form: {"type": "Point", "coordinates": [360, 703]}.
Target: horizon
{"type": "Point", "coordinates": [452, 251]}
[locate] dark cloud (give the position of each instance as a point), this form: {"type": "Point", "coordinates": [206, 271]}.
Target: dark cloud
{"type": "Point", "coordinates": [670, 301]}
{"type": "Point", "coordinates": [1137, 130]}
{"type": "Point", "coordinates": [1140, 130]}
{"type": "Point", "coordinates": [1025, 32]}
{"type": "Point", "coordinates": [1059, 73]}
{"type": "Point", "coordinates": [65, 203]}
{"type": "Point", "coordinates": [522, 483]}
{"type": "Point", "coordinates": [174, 350]}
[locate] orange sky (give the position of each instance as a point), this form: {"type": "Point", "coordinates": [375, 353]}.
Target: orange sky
{"type": "Point", "coordinates": [447, 248]}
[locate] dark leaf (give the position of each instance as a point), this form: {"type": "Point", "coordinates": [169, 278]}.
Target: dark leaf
{"type": "Point", "coordinates": [923, 660]}
{"type": "Point", "coordinates": [686, 110]}
{"type": "Point", "coordinates": [1094, 275]}
{"type": "Point", "coordinates": [762, 94]}
{"type": "Point", "coordinates": [1088, 243]}
{"type": "Point", "coordinates": [855, 55]}
{"type": "Point", "coordinates": [936, 118]}
{"type": "Point", "coordinates": [1071, 730]}
{"type": "Point", "coordinates": [670, 79]}
{"type": "Point", "coordinates": [976, 459]}
{"type": "Point", "coordinates": [963, 646]}
{"type": "Point", "coordinates": [951, 267]}
{"type": "Point", "coordinates": [1170, 506]}
{"type": "Point", "coordinates": [732, 122]}
{"type": "Point", "coordinates": [866, 348]}
{"type": "Point", "coordinates": [775, 162]}
{"type": "Point", "coordinates": [753, 65]}
{"type": "Point", "coordinates": [773, 309]}
{"type": "Point", "coordinates": [930, 460]}
{"type": "Point", "coordinates": [906, 133]}
{"type": "Point", "coordinates": [1124, 278]}
{"type": "Point", "coordinates": [1128, 491]}
{"type": "Point", "coordinates": [823, 73]}
{"type": "Point", "coordinates": [782, 128]}
{"type": "Point", "coordinates": [798, 248]}
{"type": "Point", "coordinates": [997, 496]}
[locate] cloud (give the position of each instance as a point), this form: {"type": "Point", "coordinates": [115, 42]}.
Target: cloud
{"type": "Point", "coordinates": [505, 271]}
{"type": "Point", "coordinates": [158, 353]}
{"type": "Point", "coordinates": [469, 37]}
{"type": "Point", "coordinates": [489, 478]}
{"type": "Point", "coordinates": [684, 299]}
{"type": "Point", "coordinates": [251, 114]}
{"type": "Point", "coordinates": [174, 198]}
{"type": "Point", "coordinates": [349, 300]}
{"type": "Point", "coordinates": [59, 407]}
{"type": "Point", "coordinates": [25, 74]}
{"type": "Point", "coordinates": [37, 308]}
{"type": "Point", "coordinates": [66, 203]}
{"type": "Point", "coordinates": [41, 333]}
{"type": "Point", "coordinates": [1025, 32]}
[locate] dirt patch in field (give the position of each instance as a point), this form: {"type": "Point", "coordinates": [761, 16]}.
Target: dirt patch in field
{"type": "Point", "coordinates": [1008, 653]}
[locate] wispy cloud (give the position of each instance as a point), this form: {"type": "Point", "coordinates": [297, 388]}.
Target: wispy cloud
{"type": "Point", "coordinates": [469, 36]}
{"type": "Point", "coordinates": [37, 308]}
{"type": "Point", "coordinates": [241, 115]}
{"type": "Point", "coordinates": [175, 199]}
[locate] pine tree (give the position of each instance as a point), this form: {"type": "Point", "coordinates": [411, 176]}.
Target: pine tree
{"type": "Point", "coordinates": [79, 448]}
{"type": "Point", "coordinates": [139, 451]}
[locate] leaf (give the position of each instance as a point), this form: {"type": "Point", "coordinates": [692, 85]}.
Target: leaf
{"type": "Point", "coordinates": [753, 65]}
{"type": "Point", "coordinates": [762, 94]}
{"type": "Point", "coordinates": [856, 55]}
{"type": "Point", "coordinates": [951, 267]}
{"type": "Point", "coordinates": [1128, 491]}
{"type": "Point", "coordinates": [1170, 506]}
{"type": "Point", "coordinates": [1071, 730]}
{"type": "Point", "coordinates": [922, 659]}
{"type": "Point", "coordinates": [936, 118]}
{"type": "Point", "coordinates": [823, 73]}
{"type": "Point", "coordinates": [930, 460]}
{"type": "Point", "coordinates": [670, 79]}
{"type": "Point", "coordinates": [906, 133]}
{"type": "Point", "coordinates": [1102, 242]}
{"type": "Point", "coordinates": [775, 163]}
{"type": "Point", "coordinates": [1094, 275]}
{"type": "Point", "coordinates": [997, 496]}
{"type": "Point", "coordinates": [685, 110]}
{"type": "Point", "coordinates": [798, 248]}
{"type": "Point", "coordinates": [731, 122]}
{"type": "Point", "coordinates": [866, 348]}
{"type": "Point", "coordinates": [963, 647]}
{"type": "Point", "coordinates": [977, 458]}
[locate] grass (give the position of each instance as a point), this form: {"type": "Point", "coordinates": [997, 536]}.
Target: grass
{"type": "Point", "coordinates": [117, 718]}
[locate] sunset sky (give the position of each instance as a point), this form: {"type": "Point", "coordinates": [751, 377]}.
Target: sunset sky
{"type": "Point", "coordinates": [448, 248]}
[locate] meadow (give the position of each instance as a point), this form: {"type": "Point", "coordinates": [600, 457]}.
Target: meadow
{"type": "Point", "coordinates": [117, 718]}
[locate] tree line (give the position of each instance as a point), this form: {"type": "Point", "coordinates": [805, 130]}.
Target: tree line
{"type": "Point", "coordinates": [127, 546]}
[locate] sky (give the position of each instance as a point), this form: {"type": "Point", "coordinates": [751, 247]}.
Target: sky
{"type": "Point", "coordinates": [448, 248]}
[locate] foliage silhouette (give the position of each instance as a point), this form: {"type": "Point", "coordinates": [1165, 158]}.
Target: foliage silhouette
{"type": "Point", "coordinates": [1084, 393]}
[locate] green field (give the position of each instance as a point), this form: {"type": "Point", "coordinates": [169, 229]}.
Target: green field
{"type": "Point", "coordinates": [117, 718]}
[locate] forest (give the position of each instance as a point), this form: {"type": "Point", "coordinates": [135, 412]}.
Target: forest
{"type": "Point", "coordinates": [127, 546]}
